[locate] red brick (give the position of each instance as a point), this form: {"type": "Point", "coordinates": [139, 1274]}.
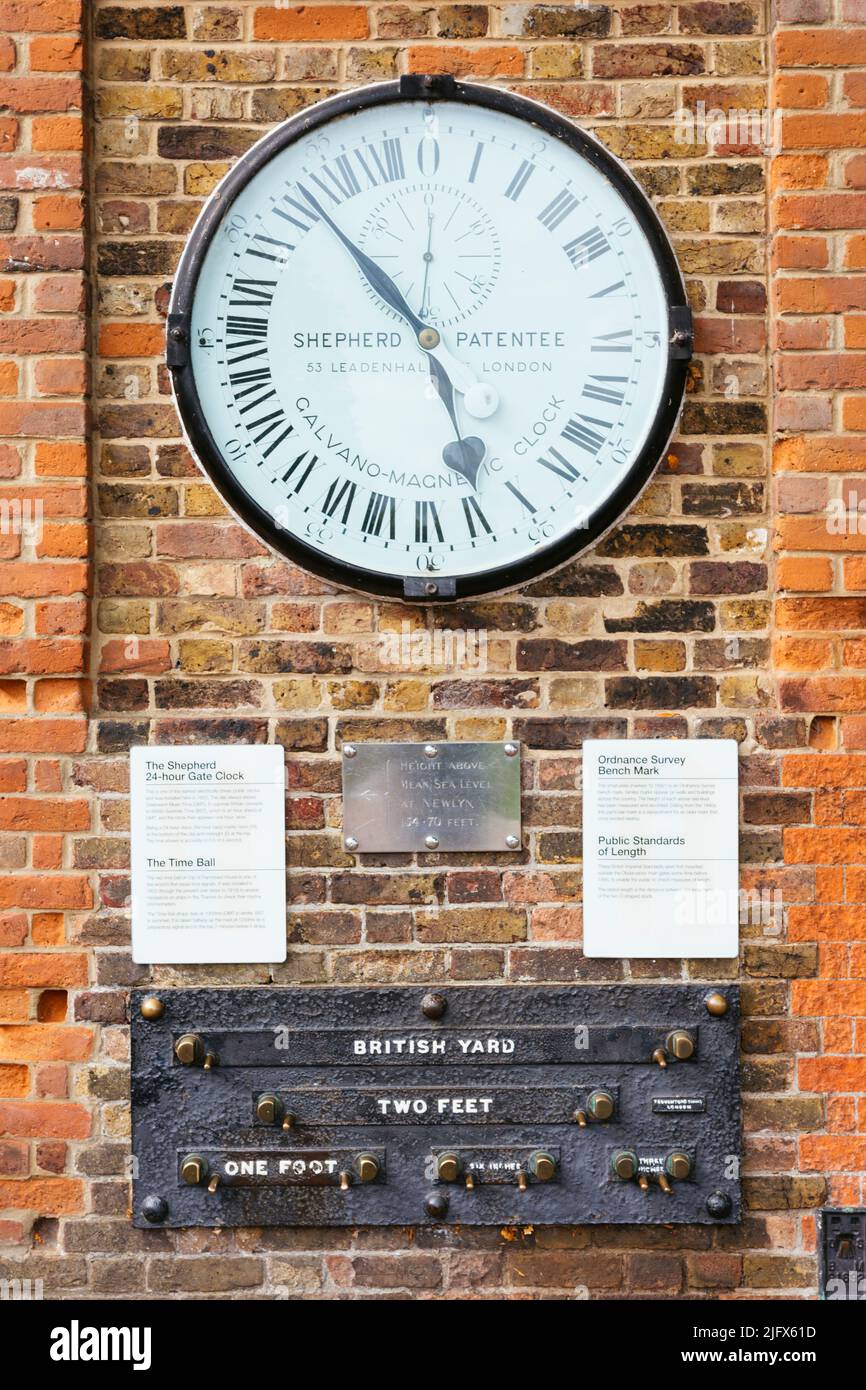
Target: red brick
{"type": "Point", "coordinates": [44, 1120]}
{"type": "Point", "coordinates": [319, 22]}
{"type": "Point", "coordinates": [46, 1196]}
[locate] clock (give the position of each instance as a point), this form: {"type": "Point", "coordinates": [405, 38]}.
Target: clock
{"type": "Point", "coordinates": [428, 339]}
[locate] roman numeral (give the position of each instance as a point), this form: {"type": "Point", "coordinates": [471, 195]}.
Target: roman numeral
{"type": "Point", "coordinates": [613, 342]}
{"type": "Point", "coordinates": [249, 381]}
{"type": "Point", "coordinates": [284, 246]}
{"type": "Point", "coordinates": [472, 511]}
{"type": "Point", "coordinates": [275, 443]}
{"type": "Point", "coordinates": [304, 475]}
{"type": "Point", "coordinates": [608, 289]}
{"type": "Point", "coordinates": [379, 508]}
{"type": "Point", "coordinates": [561, 467]}
{"type": "Point", "coordinates": [387, 159]}
{"type": "Point", "coordinates": [425, 516]}
{"type": "Point", "coordinates": [307, 218]}
{"type": "Point", "coordinates": [519, 181]}
{"type": "Point", "coordinates": [586, 247]}
{"type": "Point", "coordinates": [580, 432]}
{"type": "Point", "coordinates": [340, 176]}
{"type": "Point", "coordinates": [242, 333]}
{"type": "Point", "coordinates": [557, 210]}
{"type": "Point", "coordinates": [595, 390]}
{"type": "Point", "coordinates": [524, 501]}
{"type": "Point", "coordinates": [257, 294]}
{"type": "Point", "coordinates": [333, 498]}
{"type": "Point", "coordinates": [249, 329]}
{"type": "Point", "coordinates": [270, 422]}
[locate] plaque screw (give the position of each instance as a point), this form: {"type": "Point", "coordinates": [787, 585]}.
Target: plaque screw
{"type": "Point", "coordinates": [151, 1007]}
{"type": "Point", "coordinates": [430, 751]}
{"type": "Point", "coordinates": [433, 1005]}
{"type": "Point", "coordinates": [511, 750]}
{"type": "Point", "coordinates": [716, 1003]}
{"type": "Point", "coordinates": [436, 1205]}
{"type": "Point", "coordinates": [349, 750]}
{"type": "Point", "coordinates": [350, 842]}
{"type": "Point", "coordinates": [718, 1204]}
{"type": "Point", "coordinates": [431, 841]}
{"type": "Point", "coordinates": [154, 1208]}
{"type": "Point", "coordinates": [512, 842]}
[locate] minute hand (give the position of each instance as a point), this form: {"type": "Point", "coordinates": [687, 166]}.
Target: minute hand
{"type": "Point", "coordinates": [373, 274]}
{"type": "Point", "coordinates": [461, 376]}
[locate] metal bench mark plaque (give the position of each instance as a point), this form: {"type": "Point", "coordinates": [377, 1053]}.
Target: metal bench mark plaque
{"type": "Point", "coordinates": [431, 796]}
{"type": "Point", "coordinates": [473, 1105]}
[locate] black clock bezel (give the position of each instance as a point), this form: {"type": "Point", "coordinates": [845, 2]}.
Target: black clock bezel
{"type": "Point", "coordinates": [424, 587]}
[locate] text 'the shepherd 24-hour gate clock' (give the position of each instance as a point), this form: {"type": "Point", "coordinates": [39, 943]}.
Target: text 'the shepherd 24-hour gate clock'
{"type": "Point", "coordinates": [428, 339]}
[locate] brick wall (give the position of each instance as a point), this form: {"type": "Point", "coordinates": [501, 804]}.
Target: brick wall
{"type": "Point", "coordinates": [685, 620]}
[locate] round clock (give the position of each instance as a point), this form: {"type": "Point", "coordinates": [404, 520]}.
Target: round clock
{"type": "Point", "coordinates": [428, 339]}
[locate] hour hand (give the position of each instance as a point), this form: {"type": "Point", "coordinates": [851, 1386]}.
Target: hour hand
{"type": "Point", "coordinates": [464, 456]}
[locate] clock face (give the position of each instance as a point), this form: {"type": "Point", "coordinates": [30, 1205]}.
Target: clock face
{"type": "Point", "coordinates": [424, 347]}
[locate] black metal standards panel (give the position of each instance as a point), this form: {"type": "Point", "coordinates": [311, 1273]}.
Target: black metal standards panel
{"type": "Point", "coordinates": [474, 1105]}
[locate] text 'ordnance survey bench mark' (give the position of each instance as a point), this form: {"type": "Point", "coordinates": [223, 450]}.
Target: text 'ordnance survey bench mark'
{"type": "Point", "coordinates": [660, 847]}
{"type": "Point", "coordinates": [208, 854]}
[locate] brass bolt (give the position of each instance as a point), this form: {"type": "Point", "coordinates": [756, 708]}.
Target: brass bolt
{"type": "Point", "coordinates": [193, 1170]}
{"type": "Point", "coordinates": [643, 1182]}
{"type": "Point", "coordinates": [367, 1167]}
{"type": "Point", "coordinates": [288, 1121]}
{"type": "Point", "coordinates": [661, 1057]}
{"type": "Point", "coordinates": [470, 1182]}
{"type": "Point", "coordinates": [624, 1164]}
{"type": "Point", "coordinates": [268, 1109]}
{"type": "Point", "coordinates": [521, 1181]}
{"type": "Point", "coordinates": [210, 1061]}
{"type": "Point", "coordinates": [542, 1166]}
{"type": "Point", "coordinates": [151, 1007]}
{"type": "Point", "coordinates": [716, 1003]}
{"type": "Point", "coordinates": [579, 1118]}
{"type": "Point", "coordinates": [214, 1183]}
{"type": "Point", "coordinates": [665, 1185]}
{"type": "Point", "coordinates": [189, 1049]}
{"type": "Point", "coordinates": [448, 1167]}
{"type": "Point", "coordinates": [680, 1043]}
{"type": "Point", "coordinates": [600, 1105]}
{"type": "Point", "coordinates": [678, 1165]}
{"type": "Point", "coordinates": [345, 1180]}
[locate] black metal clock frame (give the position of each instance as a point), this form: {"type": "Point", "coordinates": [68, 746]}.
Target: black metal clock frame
{"type": "Point", "coordinates": [425, 588]}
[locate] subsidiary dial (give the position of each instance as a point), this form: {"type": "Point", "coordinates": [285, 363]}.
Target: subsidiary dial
{"type": "Point", "coordinates": [439, 246]}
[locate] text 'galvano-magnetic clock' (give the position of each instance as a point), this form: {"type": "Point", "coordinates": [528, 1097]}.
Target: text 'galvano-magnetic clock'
{"type": "Point", "coordinates": [428, 339]}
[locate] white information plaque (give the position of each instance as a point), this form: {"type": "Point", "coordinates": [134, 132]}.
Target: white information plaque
{"type": "Point", "coordinates": [660, 847]}
{"type": "Point", "coordinates": [208, 854]}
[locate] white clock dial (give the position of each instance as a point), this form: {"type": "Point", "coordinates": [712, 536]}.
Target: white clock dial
{"type": "Point", "coordinates": [427, 340]}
